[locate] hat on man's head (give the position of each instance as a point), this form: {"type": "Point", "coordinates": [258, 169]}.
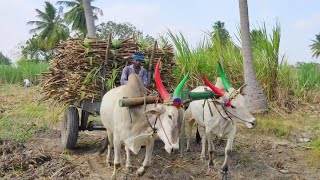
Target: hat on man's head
{"type": "Point", "coordinates": [139, 56]}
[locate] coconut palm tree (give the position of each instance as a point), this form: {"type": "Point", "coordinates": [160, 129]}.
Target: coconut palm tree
{"type": "Point", "coordinates": [89, 18]}
{"type": "Point", "coordinates": [50, 27]}
{"type": "Point", "coordinates": [256, 99]}
{"type": "Point", "coordinates": [220, 32]}
{"type": "Point", "coordinates": [315, 47]}
{"type": "Point", "coordinates": [76, 15]}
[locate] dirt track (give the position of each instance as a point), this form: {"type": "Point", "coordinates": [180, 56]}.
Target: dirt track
{"type": "Point", "coordinates": [254, 157]}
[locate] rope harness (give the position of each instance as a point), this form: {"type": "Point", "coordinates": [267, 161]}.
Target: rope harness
{"type": "Point", "coordinates": [154, 129]}
{"type": "Point", "coordinates": [226, 111]}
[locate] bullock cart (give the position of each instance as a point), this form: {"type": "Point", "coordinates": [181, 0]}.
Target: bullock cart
{"type": "Point", "coordinates": [106, 62]}
{"type": "Point", "coordinates": [72, 122]}
{"type": "Point", "coordinates": [67, 81]}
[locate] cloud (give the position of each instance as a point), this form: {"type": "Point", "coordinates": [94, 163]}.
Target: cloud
{"type": "Point", "coordinates": [307, 24]}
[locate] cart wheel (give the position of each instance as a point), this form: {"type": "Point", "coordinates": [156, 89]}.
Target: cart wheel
{"type": "Point", "coordinates": [70, 128]}
{"type": "Point", "coordinates": [84, 120]}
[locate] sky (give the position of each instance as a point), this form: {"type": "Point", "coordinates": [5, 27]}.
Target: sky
{"type": "Point", "coordinates": [299, 20]}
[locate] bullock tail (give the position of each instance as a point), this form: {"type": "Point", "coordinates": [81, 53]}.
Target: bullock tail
{"type": "Point", "coordinates": [198, 137]}
{"type": "Point", "coordinates": [104, 146]}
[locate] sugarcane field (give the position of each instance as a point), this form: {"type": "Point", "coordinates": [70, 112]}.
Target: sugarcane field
{"type": "Point", "coordinates": [103, 90]}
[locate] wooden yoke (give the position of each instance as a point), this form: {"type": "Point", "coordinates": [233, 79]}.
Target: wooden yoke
{"type": "Point", "coordinates": [186, 98]}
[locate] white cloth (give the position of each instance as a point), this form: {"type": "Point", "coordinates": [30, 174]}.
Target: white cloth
{"type": "Point", "coordinates": [26, 83]}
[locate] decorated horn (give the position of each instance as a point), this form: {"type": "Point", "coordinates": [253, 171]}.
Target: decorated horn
{"type": "Point", "coordinates": [177, 92]}
{"type": "Point", "coordinates": [216, 90]}
{"type": "Point", "coordinates": [162, 90]}
{"type": "Point", "coordinates": [225, 82]}
{"type": "Point", "coordinates": [211, 86]}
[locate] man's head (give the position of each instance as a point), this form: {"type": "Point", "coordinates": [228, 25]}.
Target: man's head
{"type": "Point", "coordinates": [137, 59]}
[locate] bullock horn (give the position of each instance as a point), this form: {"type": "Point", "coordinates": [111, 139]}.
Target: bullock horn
{"type": "Point", "coordinates": [211, 86]}
{"type": "Point", "coordinates": [162, 90]}
{"type": "Point", "coordinates": [225, 82]}
{"type": "Point", "coordinates": [177, 91]}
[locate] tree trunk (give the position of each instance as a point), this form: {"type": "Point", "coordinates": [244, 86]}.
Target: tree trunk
{"type": "Point", "coordinates": [89, 18]}
{"type": "Point", "coordinates": [255, 97]}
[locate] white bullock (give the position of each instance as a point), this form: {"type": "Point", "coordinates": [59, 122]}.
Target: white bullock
{"type": "Point", "coordinates": [217, 117]}
{"type": "Point", "coordinates": [139, 125]}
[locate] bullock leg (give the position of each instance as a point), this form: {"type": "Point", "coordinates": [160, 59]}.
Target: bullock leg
{"type": "Point", "coordinates": [117, 157]}
{"type": "Point", "coordinates": [182, 137]}
{"type": "Point", "coordinates": [110, 145]}
{"type": "Point", "coordinates": [210, 149]}
{"type": "Point", "coordinates": [189, 124]}
{"type": "Point", "coordinates": [189, 121]}
{"type": "Point", "coordinates": [147, 159]}
{"type": "Point", "coordinates": [128, 160]}
{"type": "Point", "coordinates": [227, 152]}
{"type": "Point", "coordinates": [203, 148]}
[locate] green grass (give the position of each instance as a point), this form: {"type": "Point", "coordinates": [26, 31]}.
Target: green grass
{"type": "Point", "coordinates": [315, 127]}
{"type": "Point", "coordinates": [24, 114]}
{"type": "Point", "coordinates": [277, 127]}
{"type": "Point", "coordinates": [314, 153]}
{"type": "Point", "coordinates": [26, 70]}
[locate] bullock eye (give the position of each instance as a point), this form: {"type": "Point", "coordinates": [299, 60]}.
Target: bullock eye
{"type": "Point", "coordinates": [170, 117]}
{"type": "Point", "coordinates": [233, 107]}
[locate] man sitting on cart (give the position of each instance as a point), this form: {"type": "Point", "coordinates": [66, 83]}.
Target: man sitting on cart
{"type": "Point", "coordinates": [135, 67]}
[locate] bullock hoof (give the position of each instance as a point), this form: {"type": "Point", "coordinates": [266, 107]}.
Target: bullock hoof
{"type": "Point", "coordinates": [225, 172]}
{"type": "Point", "coordinates": [141, 171]}
{"type": "Point", "coordinates": [113, 177]}
{"type": "Point", "coordinates": [203, 158]}
{"type": "Point", "coordinates": [110, 163]}
{"type": "Point", "coordinates": [129, 169]}
{"type": "Point", "coordinates": [188, 150]}
{"type": "Point", "coordinates": [225, 177]}
{"type": "Point", "coordinates": [211, 171]}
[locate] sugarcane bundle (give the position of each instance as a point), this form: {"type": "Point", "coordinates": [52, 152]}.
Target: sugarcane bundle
{"type": "Point", "coordinates": [166, 53]}
{"type": "Point", "coordinates": [75, 71]}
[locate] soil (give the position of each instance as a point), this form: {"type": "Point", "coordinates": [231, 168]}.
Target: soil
{"type": "Point", "coordinates": [254, 157]}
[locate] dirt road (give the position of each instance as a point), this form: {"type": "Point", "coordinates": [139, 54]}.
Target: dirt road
{"type": "Point", "coordinates": [254, 157]}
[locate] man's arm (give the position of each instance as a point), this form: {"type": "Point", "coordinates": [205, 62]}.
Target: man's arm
{"type": "Point", "coordinates": [124, 76]}
{"type": "Point", "coordinates": [144, 78]}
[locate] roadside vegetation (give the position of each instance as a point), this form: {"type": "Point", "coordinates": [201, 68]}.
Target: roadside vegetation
{"type": "Point", "coordinates": [24, 70]}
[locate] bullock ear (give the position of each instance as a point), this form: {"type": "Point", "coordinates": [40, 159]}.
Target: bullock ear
{"type": "Point", "coordinates": [155, 111]}
{"type": "Point", "coordinates": [240, 90]}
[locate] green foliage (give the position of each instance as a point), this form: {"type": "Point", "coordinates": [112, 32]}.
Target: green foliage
{"type": "Point", "coordinates": [110, 83]}
{"type": "Point", "coordinates": [118, 30]}
{"type": "Point", "coordinates": [76, 16]}
{"type": "Point", "coordinates": [315, 46]}
{"type": "Point", "coordinates": [123, 30]}
{"type": "Point", "coordinates": [91, 75]}
{"type": "Point", "coordinates": [4, 59]}
{"type": "Point", "coordinates": [266, 51]}
{"type": "Point", "coordinates": [276, 76]}
{"type": "Point", "coordinates": [25, 70]}
{"type": "Point", "coordinates": [116, 44]}
{"type": "Point", "coordinates": [50, 27]}
{"type": "Point", "coordinates": [220, 32]}
{"type": "Point", "coordinates": [35, 50]}
{"type": "Point", "coordinates": [308, 76]}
